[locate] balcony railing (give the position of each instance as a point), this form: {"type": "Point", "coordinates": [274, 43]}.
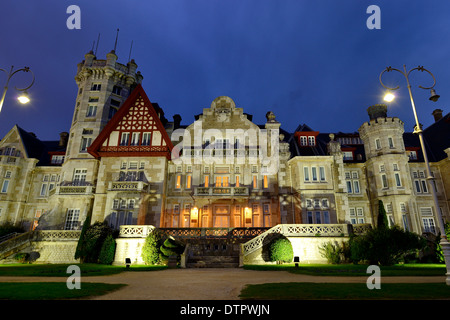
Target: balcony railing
{"type": "Point", "coordinates": [221, 191]}
{"type": "Point", "coordinates": [127, 186]}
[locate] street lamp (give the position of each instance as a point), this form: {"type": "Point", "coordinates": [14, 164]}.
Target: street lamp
{"type": "Point", "coordinates": [418, 130]}
{"type": "Point", "coordinates": [23, 98]}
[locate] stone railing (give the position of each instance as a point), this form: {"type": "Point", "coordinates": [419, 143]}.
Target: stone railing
{"type": "Point", "coordinates": [56, 235]}
{"type": "Point", "coordinates": [133, 231]}
{"type": "Point", "coordinates": [141, 231]}
{"type": "Point", "coordinates": [303, 230]}
{"type": "Point", "coordinates": [220, 191]}
{"type": "Point", "coordinates": [10, 245]}
{"type": "Point", "coordinates": [126, 186]}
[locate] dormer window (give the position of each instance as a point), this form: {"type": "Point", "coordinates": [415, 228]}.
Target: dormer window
{"type": "Point", "coordinates": [303, 141]}
{"type": "Point", "coordinates": [311, 140]}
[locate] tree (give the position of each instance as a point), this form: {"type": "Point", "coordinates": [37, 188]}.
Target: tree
{"type": "Point", "coordinates": [151, 249]}
{"type": "Point", "coordinates": [80, 250]}
{"type": "Point", "coordinates": [382, 221]}
{"type": "Point", "coordinates": [107, 251]}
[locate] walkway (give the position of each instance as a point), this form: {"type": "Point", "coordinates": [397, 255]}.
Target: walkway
{"type": "Point", "coordinates": [204, 284]}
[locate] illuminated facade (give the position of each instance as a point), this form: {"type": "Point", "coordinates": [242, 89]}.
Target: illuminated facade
{"type": "Point", "coordinates": [123, 162]}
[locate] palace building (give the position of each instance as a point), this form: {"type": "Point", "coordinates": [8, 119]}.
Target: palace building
{"type": "Point", "coordinates": [123, 162]}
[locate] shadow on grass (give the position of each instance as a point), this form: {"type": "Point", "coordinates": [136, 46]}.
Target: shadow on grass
{"type": "Point", "coordinates": [345, 291]}
{"type": "Point", "coordinates": [53, 290]}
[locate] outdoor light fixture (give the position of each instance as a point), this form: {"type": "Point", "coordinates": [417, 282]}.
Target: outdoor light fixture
{"type": "Point", "coordinates": [445, 245]}
{"type": "Point", "coordinates": [23, 98]}
{"type": "Point", "coordinates": [389, 96]}
{"type": "Point", "coordinates": [434, 97]}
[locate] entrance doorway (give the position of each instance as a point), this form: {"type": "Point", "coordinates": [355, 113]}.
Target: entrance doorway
{"type": "Point", "coordinates": [221, 216]}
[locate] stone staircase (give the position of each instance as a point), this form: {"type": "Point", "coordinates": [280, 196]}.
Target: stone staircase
{"type": "Point", "coordinates": [212, 253]}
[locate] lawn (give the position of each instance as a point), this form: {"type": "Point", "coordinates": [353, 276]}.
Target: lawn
{"type": "Point", "coordinates": [422, 270]}
{"type": "Point", "coordinates": [52, 290]}
{"type": "Point", "coordinates": [60, 270]}
{"type": "Point", "coordinates": [345, 291]}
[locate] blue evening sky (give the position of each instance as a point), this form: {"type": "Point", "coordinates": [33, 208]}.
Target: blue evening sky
{"type": "Point", "coordinates": [308, 61]}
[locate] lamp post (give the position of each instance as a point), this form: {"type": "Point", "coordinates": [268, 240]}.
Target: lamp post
{"type": "Point", "coordinates": [418, 130]}
{"type": "Point", "coordinates": [23, 98]}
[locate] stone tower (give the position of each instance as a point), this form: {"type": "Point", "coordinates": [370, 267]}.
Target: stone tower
{"type": "Point", "coordinates": [387, 165]}
{"type": "Point", "coordinates": [103, 85]}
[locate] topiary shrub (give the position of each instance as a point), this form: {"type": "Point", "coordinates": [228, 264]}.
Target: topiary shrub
{"type": "Point", "coordinates": [151, 249]}
{"type": "Point", "coordinates": [171, 247]}
{"type": "Point", "coordinates": [280, 250]}
{"type": "Point", "coordinates": [108, 250]}
{"type": "Point", "coordinates": [90, 243]}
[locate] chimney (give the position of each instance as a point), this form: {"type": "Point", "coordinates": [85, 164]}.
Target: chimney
{"type": "Point", "coordinates": [63, 137]}
{"type": "Point", "coordinates": [377, 111]}
{"type": "Point", "coordinates": [176, 121]}
{"type": "Point", "coordinates": [437, 114]}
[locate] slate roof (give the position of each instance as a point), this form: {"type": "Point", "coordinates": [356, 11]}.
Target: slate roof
{"type": "Point", "coordinates": [38, 149]}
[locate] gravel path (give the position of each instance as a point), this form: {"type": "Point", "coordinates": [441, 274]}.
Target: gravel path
{"type": "Point", "coordinates": [204, 284]}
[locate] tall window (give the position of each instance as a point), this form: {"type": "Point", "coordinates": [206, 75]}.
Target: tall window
{"type": "Point", "coordinates": [391, 143]}
{"type": "Point", "coordinates": [398, 182]}
{"type": "Point", "coordinates": [314, 173]}
{"type": "Point", "coordinates": [178, 181]}
{"type": "Point", "coordinates": [72, 219]}
{"type": "Point", "coordinates": [5, 186]}
{"type": "Point", "coordinates": [135, 139]}
{"type": "Point", "coordinates": [306, 173]}
{"type": "Point", "coordinates": [384, 181]}
{"type": "Point", "coordinates": [91, 111]}
{"type": "Point", "coordinates": [85, 143]}
{"type": "Point", "coordinates": [124, 138]}
{"type": "Point", "coordinates": [265, 182]}
{"type": "Point", "coordinates": [146, 138]}
{"type": "Point", "coordinates": [322, 173]}
{"type": "Point", "coordinates": [377, 144]}
{"type": "Point", "coordinates": [79, 176]}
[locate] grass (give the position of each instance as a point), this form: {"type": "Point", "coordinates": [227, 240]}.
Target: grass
{"type": "Point", "coordinates": [355, 270]}
{"type": "Point", "coordinates": [345, 291]}
{"type": "Point", "coordinates": [52, 290]}
{"type": "Point", "coordinates": [60, 270]}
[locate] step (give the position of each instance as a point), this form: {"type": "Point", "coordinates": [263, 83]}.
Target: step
{"type": "Point", "coordinates": [213, 262]}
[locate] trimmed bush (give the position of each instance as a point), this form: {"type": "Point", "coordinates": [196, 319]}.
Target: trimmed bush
{"type": "Point", "coordinates": [151, 249]}
{"type": "Point", "coordinates": [384, 246]}
{"type": "Point", "coordinates": [91, 242]}
{"type": "Point", "coordinates": [108, 250]}
{"type": "Point", "coordinates": [171, 247]}
{"type": "Point", "coordinates": [280, 250]}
